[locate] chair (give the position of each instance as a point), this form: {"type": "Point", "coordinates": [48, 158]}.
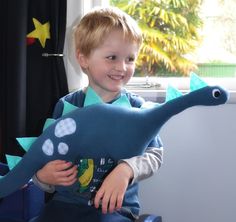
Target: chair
{"type": "Point", "coordinates": [149, 218]}
{"type": "Point", "coordinates": [23, 204]}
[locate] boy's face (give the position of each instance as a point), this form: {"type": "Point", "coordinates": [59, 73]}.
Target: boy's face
{"type": "Point", "coordinates": [111, 65]}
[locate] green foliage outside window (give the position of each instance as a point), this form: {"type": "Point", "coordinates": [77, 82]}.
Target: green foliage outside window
{"type": "Point", "coordinates": [171, 32]}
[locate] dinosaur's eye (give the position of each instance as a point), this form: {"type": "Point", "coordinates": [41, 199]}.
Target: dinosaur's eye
{"type": "Point", "coordinates": [216, 93]}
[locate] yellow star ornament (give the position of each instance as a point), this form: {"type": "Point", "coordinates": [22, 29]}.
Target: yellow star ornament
{"type": "Point", "coordinates": [41, 32]}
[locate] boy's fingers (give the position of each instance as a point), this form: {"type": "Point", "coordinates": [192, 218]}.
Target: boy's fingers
{"type": "Point", "coordinates": [72, 172]}
{"type": "Point", "coordinates": [98, 198]}
{"type": "Point", "coordinates": [63, 165]}
{"type": "Point", "coordinates": [112, 203]}
{"type": "Point", "coordinates": [105, 202]}
{"type": "Point", "coordinates": [119, 201]}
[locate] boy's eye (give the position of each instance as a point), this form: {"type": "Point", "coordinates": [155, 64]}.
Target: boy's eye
{"type": "Point", "coordinates": [113, 57]}
{"type": "Point", "coordinates": [131, 59]}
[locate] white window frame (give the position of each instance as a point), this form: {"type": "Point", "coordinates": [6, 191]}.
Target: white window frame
{"type": "Point", "coordinates": [155, 88]}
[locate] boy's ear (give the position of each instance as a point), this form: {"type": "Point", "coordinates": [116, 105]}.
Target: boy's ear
{"type": "Point", "coordinates": [82, 59]}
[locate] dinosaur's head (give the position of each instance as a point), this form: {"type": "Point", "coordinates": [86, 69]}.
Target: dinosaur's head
{"type": "Point", "coordinates": [211, 95]}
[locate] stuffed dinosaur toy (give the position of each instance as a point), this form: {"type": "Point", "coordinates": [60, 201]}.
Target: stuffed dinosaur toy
{"type": "Point", "coordinates": [101, 130]}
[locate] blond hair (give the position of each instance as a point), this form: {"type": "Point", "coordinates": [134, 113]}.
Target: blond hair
{"type": "Point", "coordinates": [95, 25]}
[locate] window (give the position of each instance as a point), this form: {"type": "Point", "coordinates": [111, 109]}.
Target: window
{"type": "Point", "coordinates": [215, 58]}
{"type": "Point", "coordinates": [218, 49]}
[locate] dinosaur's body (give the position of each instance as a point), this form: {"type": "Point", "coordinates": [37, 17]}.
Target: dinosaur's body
{"type": "Point", "coordinates": [103, 130]}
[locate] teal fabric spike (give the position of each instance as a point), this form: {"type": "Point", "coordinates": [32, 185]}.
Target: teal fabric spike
{"type": "Point", "coordinates": [91, 97]}
{"type": "Point", "coordinates": [12, 161]}
{"type": "Point", "coordinates": [48, 123]}
{"type": "Point", "coordinates": [68, 107]}
{"type": "Point", "coordinates": [172, 93]}
{"type": "Point", "coordinates": [26, 142]}
{"type": "Point", "coordinates": [122, 101]}
{"type": "Point", "coordinates": [196, 82]}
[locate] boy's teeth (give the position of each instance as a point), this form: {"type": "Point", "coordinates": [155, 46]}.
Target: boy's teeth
{"type": "Point", "coordinates": [116, 77]}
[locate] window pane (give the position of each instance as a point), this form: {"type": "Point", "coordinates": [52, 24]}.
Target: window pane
{"type": "Point", "coordinates": [214, 56]}
{"type": "Point", "coordinates": [217, 55]}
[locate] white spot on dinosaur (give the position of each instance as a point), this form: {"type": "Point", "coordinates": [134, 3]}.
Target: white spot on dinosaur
{"type": "Point", "coordinates": [65, 127]}
{"type": "Point", "coordinates": [48, 147]}
{"type": "Point", "coordinates": [63, 148]}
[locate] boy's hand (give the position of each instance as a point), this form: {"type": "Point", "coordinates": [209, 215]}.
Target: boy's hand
{"type": "Point", "coordinates": [58, 172]}
{"type": "Point", "coordinates": [112, 191]}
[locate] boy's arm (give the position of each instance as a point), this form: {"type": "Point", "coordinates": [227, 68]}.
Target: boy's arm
{"type": "Point", "coordinates": [111, 193]}
{"type": "Point", "coordinates": [146, 165]}
{"type": "Point", "coordinates": [45, 187]}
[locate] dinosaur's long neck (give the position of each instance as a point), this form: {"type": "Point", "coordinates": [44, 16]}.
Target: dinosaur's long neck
{"type": "Point", "coordinates": [161, 114]}
{"type": "Point", "coordinates": [179, 104]}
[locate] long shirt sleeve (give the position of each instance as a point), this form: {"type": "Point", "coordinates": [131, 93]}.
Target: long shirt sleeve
{"type": "Point", "coordinates": [146, 165]}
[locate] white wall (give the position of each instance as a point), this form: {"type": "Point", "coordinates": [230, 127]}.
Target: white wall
{"type": "Point", "coordinates": [197, 180]}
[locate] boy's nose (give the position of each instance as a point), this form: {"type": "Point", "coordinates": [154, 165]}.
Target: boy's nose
{"type": "Point", "coordinates": [120, 66]}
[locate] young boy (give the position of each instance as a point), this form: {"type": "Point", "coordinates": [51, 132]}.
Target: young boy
{"type": "Point", "coordinates": [107, 43]}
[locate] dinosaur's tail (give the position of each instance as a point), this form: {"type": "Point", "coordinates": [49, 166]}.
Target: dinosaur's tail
{"type": "Point", "coordinates": [19, 175]}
